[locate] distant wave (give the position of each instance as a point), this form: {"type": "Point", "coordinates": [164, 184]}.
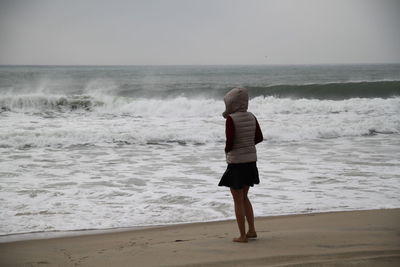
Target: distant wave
{"type": "Point", "coordinates": [330, 91]}
{"type": "Point", "coordinates": [193, 106]}
{"type": "Point", "coordinates": [321, 91]}
{"type": "Point", "coordinates": [97, 98]}
{"type": "Point", "coordinates": [336, 82]}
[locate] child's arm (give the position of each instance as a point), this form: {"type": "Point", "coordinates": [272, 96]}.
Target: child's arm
{"type": "Point", "coordinates": [258, 137]}
{"type": "Point", "coordinates": [229, 133]}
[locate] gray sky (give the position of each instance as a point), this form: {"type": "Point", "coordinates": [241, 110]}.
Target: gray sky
{"type": "Point", "coordinates": [199, 32]}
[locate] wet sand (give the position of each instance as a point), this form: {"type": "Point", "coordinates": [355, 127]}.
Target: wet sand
{"type": "Point", "coordinates": [354, 238]}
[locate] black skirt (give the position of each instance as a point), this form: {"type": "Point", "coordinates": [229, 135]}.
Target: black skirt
{"type": "Point", "coordinates": [238, 175]}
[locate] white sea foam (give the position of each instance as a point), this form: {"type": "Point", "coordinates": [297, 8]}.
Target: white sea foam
{"type": "Point", "coordinates": [82, 187]}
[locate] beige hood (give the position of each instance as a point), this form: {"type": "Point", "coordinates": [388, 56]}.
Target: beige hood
{"type": "Point", "coordinates": [236, 100]}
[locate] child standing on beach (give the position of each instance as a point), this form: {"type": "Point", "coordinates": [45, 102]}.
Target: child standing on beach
{"type": "Point", "coordinates": [242, 134]}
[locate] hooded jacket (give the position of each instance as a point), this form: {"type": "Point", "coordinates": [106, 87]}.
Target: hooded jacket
{"type": "Point", "coordinates": [245, 123]}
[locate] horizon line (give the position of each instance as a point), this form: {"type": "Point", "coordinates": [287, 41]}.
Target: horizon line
{"type": "Point", "coordinates": [172, 65]}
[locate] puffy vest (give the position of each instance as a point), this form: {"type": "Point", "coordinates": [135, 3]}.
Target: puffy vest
{"type": "Point", "coordinates": [244, 149]}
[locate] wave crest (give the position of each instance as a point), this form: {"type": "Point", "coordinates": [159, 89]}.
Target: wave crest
{"type": "Point", "coordinates": [330, 91]}
{"type": "Point", "coordinates": [48, 103]}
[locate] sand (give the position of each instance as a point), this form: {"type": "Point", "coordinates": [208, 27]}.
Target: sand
{"type": "Point", "coordinates": [356, 238]}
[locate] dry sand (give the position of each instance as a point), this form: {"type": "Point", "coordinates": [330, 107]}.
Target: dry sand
{"type": "Point", "coordinates": [357, 238]}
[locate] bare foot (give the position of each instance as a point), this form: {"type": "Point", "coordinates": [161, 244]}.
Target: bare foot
{"type": "Point", "coordinates": [240, 240]}
{"type": "Point", "coordinates": [251, 234]}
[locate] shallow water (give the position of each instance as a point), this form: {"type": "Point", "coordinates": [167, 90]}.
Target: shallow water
{"type": "Point", "coordinates": [118, 186]}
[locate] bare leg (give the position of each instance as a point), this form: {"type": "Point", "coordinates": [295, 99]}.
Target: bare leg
{"type": "Point", "coordinates": [238, 198]}
{"type": "Point", "coordinates": [249, 214]}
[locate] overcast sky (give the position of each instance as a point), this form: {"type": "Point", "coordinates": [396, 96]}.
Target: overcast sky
{"type": "Point", "coordinates": [92, 32]}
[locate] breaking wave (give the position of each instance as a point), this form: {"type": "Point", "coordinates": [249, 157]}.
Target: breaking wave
{"type": "Point", "coordinates": [96, 97]}
{"type": "Point", "coordinates": [119, 121]}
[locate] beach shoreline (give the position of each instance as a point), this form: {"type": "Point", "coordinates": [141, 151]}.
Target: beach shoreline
{"type": "Point", "coordinates": [41, 235]}
{"type": "Point", "coordinates": [363, 238]}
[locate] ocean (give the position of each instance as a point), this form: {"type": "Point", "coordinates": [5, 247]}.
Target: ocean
{"type": "Point", "coordinates": [100, 147]}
